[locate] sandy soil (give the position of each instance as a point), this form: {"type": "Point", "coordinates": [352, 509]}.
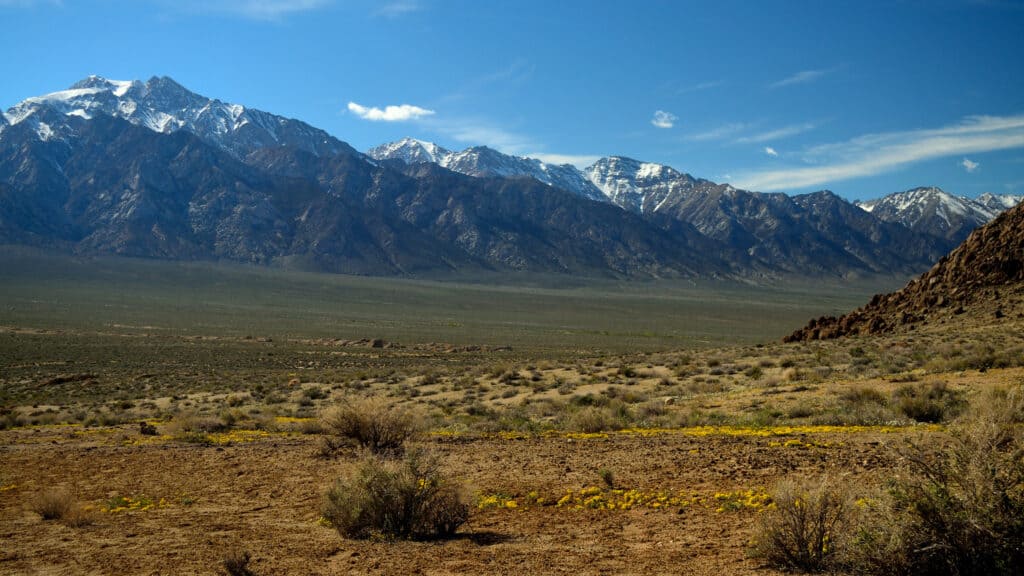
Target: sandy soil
{"type": "Point", "coordinates": [264, 496]}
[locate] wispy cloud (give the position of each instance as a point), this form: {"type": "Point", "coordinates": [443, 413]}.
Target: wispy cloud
{"type": "Point", "coordinates": [481, 132]}
{"type": "Point", "coordinates": [398, 8]}
{"type": "Point", "coordinates": [29, 3]}
{"type": "Point", "coordinates": [515, 73]}
{"type": "Point", "coordinates": [802, 77]}
{"type": "Point", "coordinates": [777, 134]}
{"type": "Point", "coordinates": [742, 133]}
{"type": "Point", "coordinates": [873, 154]}
{"type": "Point", "coordinates": [969, 165]}
{"type": "Point", "coordinates": [663, 119]}
{"type": "Point", "coordinates": [252, 9]}
{"type": "Point", "coordinates": [720, 133]}
{"type": "Point", "coordinates": [400, 113]}
{"type": "Point", "coordinates": [770, 151]}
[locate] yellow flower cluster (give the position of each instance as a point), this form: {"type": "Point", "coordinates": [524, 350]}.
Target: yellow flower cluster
{"type": "Point", "coordinates": [754, 498]}
{"type": "Point", "coordinates": [7, 487]}
{"type": "Point", "coordinates": [132, 503]}
{"type": "Point", "coordinates": [595, 498]}
{"type": "Point", "coordinates": [497, 501]}
{"type": "Point", "coordinates": [798, 443]}
{"type": "Point", "coordinates": [701, 431]}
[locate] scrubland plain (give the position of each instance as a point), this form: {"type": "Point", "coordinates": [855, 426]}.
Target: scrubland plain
{"type": "Point", "coordinates": [166, 418]}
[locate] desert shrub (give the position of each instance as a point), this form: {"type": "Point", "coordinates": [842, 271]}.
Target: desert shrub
{"type": "Point", "coordinates": [236, 563]}
{"type": "Point", "coordinates": [388, 499]}
{"type": "Point", "coordinates": [934, 402]}
{"type": "Point", "coordinates": [592, 419]}
{"type": "Point", "coordinates": [863, 405]}
{"type": "Point", "coordinates": [61, 504]}
{"type": "Point", "coordinates": [804, 527]}
{"type": "Point", "coordinates": [372, 423]}
{"type": "Point", "coordinates": [965, 501]}
{"type": "Point", "coordinates": [53, 504]}
{"type": "Point", "coordinates": [959, 507]}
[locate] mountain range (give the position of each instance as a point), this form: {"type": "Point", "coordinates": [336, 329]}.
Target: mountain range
{"type": "Point", "coordinates": [151, 169]}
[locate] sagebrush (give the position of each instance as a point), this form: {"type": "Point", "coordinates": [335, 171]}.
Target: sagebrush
{"type": "Point", "coordinates": [407, 499]}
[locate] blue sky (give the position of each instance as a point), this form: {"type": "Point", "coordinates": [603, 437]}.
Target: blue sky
{"type": "Point", "coordinates": [863, 98]}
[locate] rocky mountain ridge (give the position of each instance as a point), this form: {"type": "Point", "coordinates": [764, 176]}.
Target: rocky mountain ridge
{"type": "Point", "coordinates": [151, 169]}
{"type": "Point", "coordinates": [983, 277]}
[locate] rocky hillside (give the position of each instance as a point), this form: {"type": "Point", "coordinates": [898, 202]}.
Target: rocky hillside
{"type": "Point", "coordinates": [982, 278]}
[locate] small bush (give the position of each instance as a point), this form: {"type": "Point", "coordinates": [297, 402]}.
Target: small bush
{"type": "Point", "coordinates": [60, 504]}
{"type": "Point", "coordinates": [591, 419]}
{"type": "Point", "coordinates": [804, 527]}
{"type": "Point", "coordinates": [407, 499]}
{"type": "Point", "coordinates": [929, 403]}
{"type": "Point", "coordinates": [959, 507]}
{"type": "Point", "coordinates": [236, 563]}
{"type": "Point", "coordinates": [965, 501]}
{"type": "Point", "coordinates": [372, 423]}
{"type": "Point", "coordinates": [54, 504]}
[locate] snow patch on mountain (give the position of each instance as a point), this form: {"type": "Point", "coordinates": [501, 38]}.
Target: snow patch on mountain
{"type": "Point", "coordinates": [935, 211]}
{"type": "Point", "coordinates": [482, 162]}
{"type": "Point", "coordinates": [163, 105]}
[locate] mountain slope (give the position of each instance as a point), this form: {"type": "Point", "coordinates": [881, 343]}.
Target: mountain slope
{"type": "Point", "coordinates": [111, 186]}
{"type": "Point", "coordinates": [163, 105]}
{"type": "Point", "coordinates": [982, 278]}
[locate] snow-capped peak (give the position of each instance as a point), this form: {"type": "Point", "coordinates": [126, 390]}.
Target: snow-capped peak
{"type": "Point", "coordinates": [163, 105]}
{"type": "Point", "coordinates": [937, 211]}
{"type": "Point", "coordinates": [481, 161]}
{"type": "Point", "coordinates": [635, 185]}
{"type": "Point", "coordinates": [411, 151]}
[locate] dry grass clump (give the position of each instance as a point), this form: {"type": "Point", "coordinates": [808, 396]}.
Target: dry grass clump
{"type": "Point", "coordinates": [372, 423]}
{"type": "Point", "coordinates": [963, 503]}
{"type": "Point", "coordinates": [957, 507]}
{"type": "Point", "coordinates": [60, 504]}
{"type": "Point", "coordinates": [804, 526]}
{"type": "Point", "coordinates": [929, 403]}
{"type": "Point", "coordinates": [387, 499]}
{"type": "Point", "coordinates": [236, 563]}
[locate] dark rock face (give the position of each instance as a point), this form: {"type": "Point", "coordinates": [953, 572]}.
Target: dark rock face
{"type": "Point", "coordinates": [978, 274]}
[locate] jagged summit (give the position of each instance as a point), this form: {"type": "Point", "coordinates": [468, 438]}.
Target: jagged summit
{"type": "Point", "coordinates": [163, 105]}
{"type": "Point", "coordinates": [982, 279]}
{"type": "Point", "coordinates": [931, 210]}
{"type": "Point", "coordinates": [482, 161]}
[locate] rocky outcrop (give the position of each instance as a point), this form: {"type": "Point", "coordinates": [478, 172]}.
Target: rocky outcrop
{"type": "Point", "coordinates": [983, 276]}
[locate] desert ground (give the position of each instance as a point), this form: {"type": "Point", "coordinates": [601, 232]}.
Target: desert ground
{"type": "Point", "coordinates": [180, 450]}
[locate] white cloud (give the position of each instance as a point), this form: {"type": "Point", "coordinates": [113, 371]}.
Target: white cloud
{"type": "Point", "coordinates": [663, 119]}
{"type": "Point", "coordinates": [734, 129]}
{"type": "Point", "coordinates": [719, 133]}
{"type": "Point", "coordinates": [802, 77]}
{"type": "Point", "coordinates": [873, 154]}
{"type": "Point", "coordinates": [400, 113]}
{"type": "Point", "coordinates": [254, 9]}
{"type": "Point", "coordinates": [28, 3]}
{"type": "Point", "coordinates": [778, 134]}
{"type": "Point", "coordinates": [770, 151]}
{"type": "Point", "coordinates": [969, 166]}
{"type": "Point", "coordinates": [579, 161]}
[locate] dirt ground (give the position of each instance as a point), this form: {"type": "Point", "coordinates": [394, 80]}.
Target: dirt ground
{"type": "Point", "coordinates": [263, 497]}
